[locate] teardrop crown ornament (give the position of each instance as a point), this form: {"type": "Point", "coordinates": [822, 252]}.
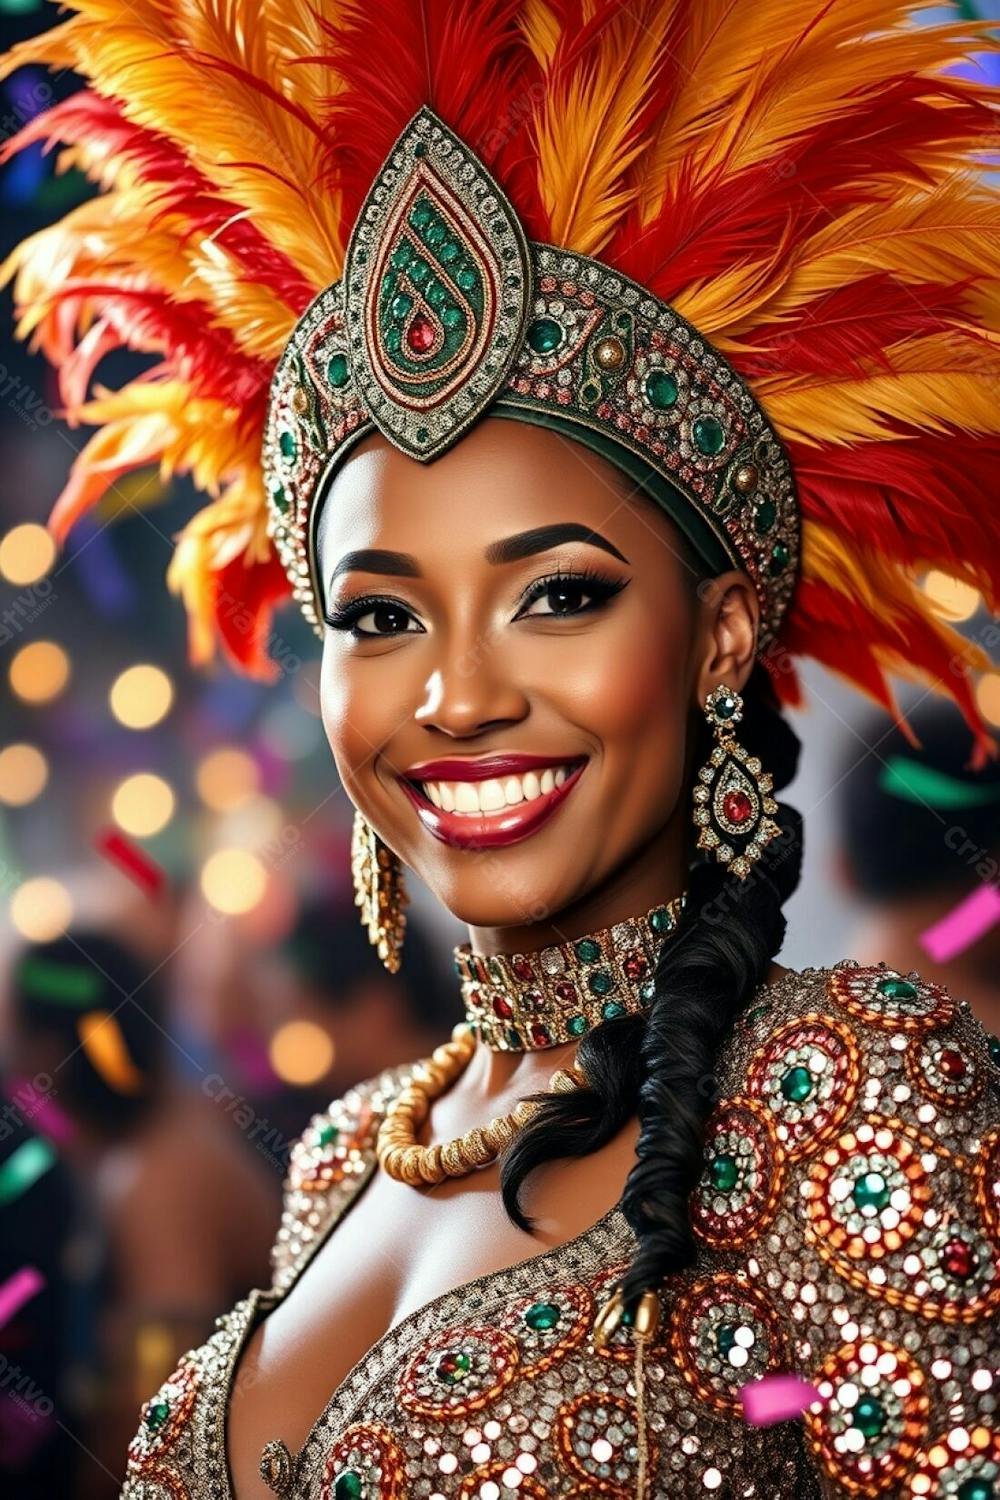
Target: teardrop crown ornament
{"type": "Point", "coordinates": [733, 805]}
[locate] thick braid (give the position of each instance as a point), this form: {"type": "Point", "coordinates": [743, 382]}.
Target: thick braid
{"type": "Point", "coordinates": [703, 981]}
{"type": "Point", "coordinates": [661, 1065]}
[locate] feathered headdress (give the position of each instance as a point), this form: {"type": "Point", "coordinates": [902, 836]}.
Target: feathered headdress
{"type": "Point", "coordinates": [801, 181]}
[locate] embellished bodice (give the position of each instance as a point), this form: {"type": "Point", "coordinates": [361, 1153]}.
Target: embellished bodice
{"type": "Point", "coordinates": [848, 1221]}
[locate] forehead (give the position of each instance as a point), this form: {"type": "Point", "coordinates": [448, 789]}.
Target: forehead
{"type": "Point", "coordinates": [502, 477]}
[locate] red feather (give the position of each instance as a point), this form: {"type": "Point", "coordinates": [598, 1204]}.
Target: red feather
{"type": "Point", "coordinates": [245, 595]}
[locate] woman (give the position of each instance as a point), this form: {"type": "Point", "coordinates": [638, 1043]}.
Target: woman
{"type": "Point", "coordinates": [635, 349]}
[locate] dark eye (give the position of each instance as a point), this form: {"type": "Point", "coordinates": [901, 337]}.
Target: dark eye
{"type": "Point", "coordinates": [368, 618]}
{"type": "Point", "coordinates": [569, 594]}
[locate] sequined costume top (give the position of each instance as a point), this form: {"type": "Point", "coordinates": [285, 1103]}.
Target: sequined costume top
{"type": "Point", "coordinates": [848, 1221]}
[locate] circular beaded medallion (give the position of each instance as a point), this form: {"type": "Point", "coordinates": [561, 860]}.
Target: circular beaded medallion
{"type": "Point", "coordinates": [865, 1195]}
{"type": "Point", "coordinates": [987, 1180]}
{"type": "Point", "coordinates": [889, 1000]}
{"type": "Point", "coordinates": [741, 1179]}
{"type": "Point", "coordinates": [597, 1439]}
{"type": "Point", "coordinates": [364, 1463]}
{"type": "Point", "coordinates": [548, 1326]}
{"type": "Point", "coordinates": [874, 1417]}
{"type": "Point", "coordinates": [944, 1071]}
{"type": "Point", "coordinates": [327, 1150]}
{"type": "Point", "coordinates": [164, 1417]}
{"type": "Point", "coordinates": [723, 1334]}
{"type": "Point", "coordinates": [459, 1371]}
{"type": "Point", "coordinates": [963, 1464]}
{"type": "Point", "coordinates": [952, 1274]}
{"type": "Point", "coordinates": [807, 1074]}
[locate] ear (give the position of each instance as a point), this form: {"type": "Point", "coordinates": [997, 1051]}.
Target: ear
{"type": "Point", "coordinates": [729, 620]}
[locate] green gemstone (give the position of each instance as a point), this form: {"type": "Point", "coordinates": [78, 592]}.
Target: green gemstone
{"type": "Point", "coordinates": [576, 1025]}
{"type": "Point", "coordinates": [661, 389]}
{"type": "Point", "coordinates": [436, 293]}
{"type": "Point", "coordinates": [393, 340]}
{"type": "Point", "coordinates": [994, 1045]}
{"type": "Point", "coordinates": [600, 982]}
{"type": "Point", "coordinates": [796, 1085]}
{"type": "Point", "coordinates": [436, 233]}
{"type": "Point", "coordinates": [349, 1486]}
{"type": "Point", "coordinates": [661, 920]}
{"type": "Point", "coordinates": [897, 989]}
{"type": "Point", "coordinates": [466, 278]}
{"type": "Point", "coordinates": [401, 257]}
{"type": "Point", "coordinates": [709, 435]}
{"type": "Point", "coordinates": [647, 990]}
{"type": "Point", "coordinates": [419, 271]}
{"type": "Point", "coordinates": [544, 335]}
{"type": "Point", "coordinates": [976, 1488]}
{"type": "Point", "coordinates": [453, 1366]}
{"type": "Point", "coordinates": [420, 149]}
{"type": "Point", "coordinates": [779, 557]}
{"type": "Point", "coordinates": [286, 442]}
{"type": "Point", "coordinates": [514, 1038]}
{"type": "Point", "coordinates": [764, 517]}
{"type": "Point", "coordinates": [612, 1010]}
{"type": "Point", "coordinates": [542, 1315]}
{"type": "Point", "coordinates": [329, 1135]}
{"type": "Point", "coordinates": [587, 950]}
{"type": "Point", "coordinates": [871, 1190]}
{"type": "Point", "coordinates": [755, 1015]}
{"type": "Point", "coordinates": [724, 707]}
{"type": "Point", "coordinates": [420, 215]}
{"type": "Point", "coordinates": [453, 317]}
{"type": "Point", "coordinates": [449, 251]}
{"type": "Point", "coordinates": [156, 1415]}
{"type": "Point", "coordinates": [725, 1337]}
{"type": "Point", "coordinates": [401, 304]}
{"type": "Point", "coordinates": [280, 499]}
{"type": "Point", "coordinates": [723, 1173]}
{"type": "Point", "coordinates": [869, 1416]}
{"type": "Point", "coordinates": [421, 434]}
{"type": "Point", "coordinates": [336, 370]}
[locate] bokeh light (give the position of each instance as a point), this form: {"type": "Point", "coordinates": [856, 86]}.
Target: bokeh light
{"type": "Point", "coordinates": [39, 672]}
{"type": "Point", "coordinates": [41, 909]}
{"type": "Point", "coordinates": [23, 774]}
{"type": "Point", "coordinates": [26, 554]}
{"type": "Point", "coordinates": [301, 1052]}
{"type": "Point", "coordinates": [227, 778]}
{"type": "Point", "coordinates": [141, 696]}
{"type": "Point", "coordinates": [988, 697]}
{"type": "Point", "coordinates": [233, 881]}
{"type": "Point", "coordinates": [950, 598]}
{"type": "Point", "coordinates": [143, 804]}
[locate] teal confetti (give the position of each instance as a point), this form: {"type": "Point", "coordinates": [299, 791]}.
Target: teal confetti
{"type": "Point", "coordinates": [901, 777]}
{"type": "Point", "coordinates": [23, 1167]}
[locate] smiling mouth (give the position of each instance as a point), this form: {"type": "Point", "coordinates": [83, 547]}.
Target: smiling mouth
{"type": "Point", "coordinates": [491, 802]}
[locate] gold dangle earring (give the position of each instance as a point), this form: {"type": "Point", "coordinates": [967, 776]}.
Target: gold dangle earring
{"type": "Point", "coordinates": [732, 801]}
{"type": "Point", "coordinates": [379, 891]}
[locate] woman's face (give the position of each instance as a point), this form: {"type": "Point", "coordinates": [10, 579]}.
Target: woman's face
{"type": "Point", "coordinates": [514, 655]}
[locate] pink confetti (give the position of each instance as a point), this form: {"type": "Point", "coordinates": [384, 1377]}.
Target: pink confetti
{"type": "Point", "coordinates": [17, 1290]}
{"type": "Point", "coordinates": [964, 925]}
{"type": "Point", "coordinates": [48, 1117]}
{"type": "Point", "coordinates": [776, 1398]}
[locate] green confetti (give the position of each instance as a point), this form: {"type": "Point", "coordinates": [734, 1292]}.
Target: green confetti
{"type": "Point", "coordinates": [901, 777]}
{"type": "Point", "coordinates": [23, 1167]}
{"type": "Point", "coordinates": [58, 982]}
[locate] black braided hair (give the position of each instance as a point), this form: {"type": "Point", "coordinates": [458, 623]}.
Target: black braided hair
{"type": "Point", "coordinates": [661, 1065]}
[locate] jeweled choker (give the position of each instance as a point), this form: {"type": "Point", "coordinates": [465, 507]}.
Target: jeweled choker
{"type": "Point", "coordinates": [519, 1002]}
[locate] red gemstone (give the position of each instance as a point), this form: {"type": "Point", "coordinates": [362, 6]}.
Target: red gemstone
{"type": "Point", "coordinates": [532, 1000]}
{"type": "Point", "coordinates": [566, 991]}
{"type": "Point", "coordinates": [522, 967]}
{"type": "Point", "coordinates": [958, 1260]}
{"type": "Point", "coordinates": [540, 1035]}
{"type": "Point", "coordinates": [737, 807]}
{"type": "Point", "coordinates": [420, 334]}
{"type": "Point", "coordinates": [635, 965]}
{"type": "Point", "coordinates": [952, 1063]}
{"type": "Point", "coordinates": [502, 1009]}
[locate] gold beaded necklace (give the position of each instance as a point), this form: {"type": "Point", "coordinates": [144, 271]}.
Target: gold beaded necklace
{"type": "Point", "coordinates": [521, 1002]}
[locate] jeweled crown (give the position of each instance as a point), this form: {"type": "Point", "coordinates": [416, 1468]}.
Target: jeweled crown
{"type": "Point", "coordinates": [446, 311]}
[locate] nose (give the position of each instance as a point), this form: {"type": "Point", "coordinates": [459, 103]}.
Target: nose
{"type": "Point", "coordinates": [470, 691]}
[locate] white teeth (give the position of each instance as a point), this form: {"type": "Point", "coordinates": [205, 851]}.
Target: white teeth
{"type": "Point", "coordinates": [493, 796]}
{"type": "Point", "coordinates": [466, 797]}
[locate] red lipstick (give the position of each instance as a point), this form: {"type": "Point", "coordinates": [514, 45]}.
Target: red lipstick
{"type": "Point", "coordinates": [488, 830]}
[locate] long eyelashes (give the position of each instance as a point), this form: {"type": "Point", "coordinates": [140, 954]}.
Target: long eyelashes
{"type": "Point", "coordinates": [595, 587]}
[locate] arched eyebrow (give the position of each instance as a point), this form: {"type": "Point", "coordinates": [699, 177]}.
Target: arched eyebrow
{"type": "Point", "coordinates": [510, 549]}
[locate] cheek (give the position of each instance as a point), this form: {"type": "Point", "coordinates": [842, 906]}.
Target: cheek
{"type": "Point", "coordinates": [355, 712]}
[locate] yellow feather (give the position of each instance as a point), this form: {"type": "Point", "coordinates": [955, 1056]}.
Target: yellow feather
{"type": "Point", "coordinates": [540, 29]}
{"type": "Point", "coordinates": [232, 526]}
